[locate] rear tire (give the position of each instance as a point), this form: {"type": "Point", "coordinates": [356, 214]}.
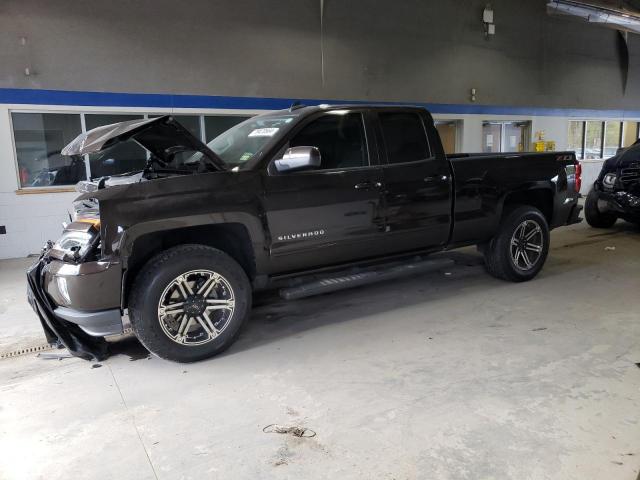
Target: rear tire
{"type": "Point", "coordinates": [189, 302]}
{"type": "Point", "coordinates": [519, 250]}
{"type": "Point", "coordinates": [594, 216]}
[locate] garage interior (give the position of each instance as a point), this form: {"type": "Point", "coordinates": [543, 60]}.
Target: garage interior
{"type": "Point", "coordinates": [439, 375]}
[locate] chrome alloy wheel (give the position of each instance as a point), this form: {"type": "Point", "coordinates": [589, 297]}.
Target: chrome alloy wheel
{"type": "Point", "coordinates": [196, 307]}
{"type": "Point", "coordinates": [527, 244]}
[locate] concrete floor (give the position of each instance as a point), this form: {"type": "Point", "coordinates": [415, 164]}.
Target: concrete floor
{"type": "Point", "coordinates": [456, 376]}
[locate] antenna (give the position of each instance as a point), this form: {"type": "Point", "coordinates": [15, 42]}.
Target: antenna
{"type": "Point", "coordinates": [296, 105]}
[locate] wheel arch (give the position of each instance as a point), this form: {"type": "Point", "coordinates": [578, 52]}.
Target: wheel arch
{"type": "Point", "coordinates": [233, 238]}
{"type": "Point", "coordinates": [540, 197]}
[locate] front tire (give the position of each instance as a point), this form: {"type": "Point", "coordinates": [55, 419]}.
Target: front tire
{"type": "Point", "coordinates": [595, 217]}
{"type": "Point", "coordinates": [189, 302]}
{"type": "Point", "coordinates": [519, 250]}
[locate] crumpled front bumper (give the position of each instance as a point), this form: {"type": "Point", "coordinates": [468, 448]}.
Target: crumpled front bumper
{"type": "Point", "coordinates": [78, 305]}
{"type": "Point", "coordinates": [620, 202]}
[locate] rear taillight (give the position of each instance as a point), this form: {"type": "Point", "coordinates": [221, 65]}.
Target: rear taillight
{"type": "Point", "coordinates": [578, 182]}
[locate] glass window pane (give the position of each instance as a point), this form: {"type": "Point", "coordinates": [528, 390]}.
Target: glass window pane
{"type": "Point", "coordinates": [630, 133]}
{"type": "Point", "coordinates": [593, 146]}
{"type": "Point", "coordinates": [612, 133]}
{"type": "Point", "coordinates": [340, 139]}
{"type": "Point", "coordinates": [404, 137]}
{"type": "Point", "coordinates": [190, 122]}
{"type": "Point", "coordinates": [122, 157]}
{"type": "Point", "coordinates": [575, 138]}
{"type": "Point", "coordinates": [214, 125]}
{"type": "Point", "coordinates": [491, 137]}
{"type": "Point", "coordinates": [39, 137]}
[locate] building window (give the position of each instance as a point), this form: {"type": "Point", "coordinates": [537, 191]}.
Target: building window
{"type": "Point", "coordinates": [38, 138]}
{"type": "Point", "coordinates": [595, 139]}
{"type": "Point", "coordinates": [506, 136]}
{"type": "Point", "coordinates": [575, 139]}
{"type": "Point", "coordinates": [630, 133]}
{"type": "Point", "coordinates": [214, 125]}
{"type": "Point", "coordinates": [612, 138]}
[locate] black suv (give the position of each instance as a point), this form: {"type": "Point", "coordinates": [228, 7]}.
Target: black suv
{"type": "Point", "coordinates": [616, 192]}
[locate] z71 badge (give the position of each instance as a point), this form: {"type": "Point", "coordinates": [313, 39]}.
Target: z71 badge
{"type": "Point", "coordinates": [297, 236]}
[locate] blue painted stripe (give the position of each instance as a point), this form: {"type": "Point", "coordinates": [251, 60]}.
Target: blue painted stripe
{"type": "Point", "coordinates": [156, 100]}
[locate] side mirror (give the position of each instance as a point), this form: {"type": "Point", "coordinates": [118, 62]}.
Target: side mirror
{"type": "Point", "coordinates": [298, 158]}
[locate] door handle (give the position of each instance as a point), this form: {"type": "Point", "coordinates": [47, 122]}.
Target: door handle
{"type": "Point", "coordinates": [437, 179]}
{"type": "Point", "coordinates": [367, 185]}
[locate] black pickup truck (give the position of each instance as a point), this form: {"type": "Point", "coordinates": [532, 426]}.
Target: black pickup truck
{"type": "Point", "coordinates": [182, 244]}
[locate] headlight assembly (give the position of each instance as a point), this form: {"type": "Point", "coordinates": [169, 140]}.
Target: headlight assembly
{"type": "Point", "coordinates": [609, 180]}
{"type": "Point", "coordinates": [76, 241]}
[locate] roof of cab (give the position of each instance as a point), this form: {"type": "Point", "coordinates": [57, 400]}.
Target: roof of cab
{"type": "Point", "coordinates": [304, 109]}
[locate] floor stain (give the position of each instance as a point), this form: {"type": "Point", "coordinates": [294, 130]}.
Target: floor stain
{"type": "Point", "coordinates": [131, 347]}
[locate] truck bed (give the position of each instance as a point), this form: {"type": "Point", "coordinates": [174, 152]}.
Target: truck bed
{"type": "Point", "coordinates": [482, 182]}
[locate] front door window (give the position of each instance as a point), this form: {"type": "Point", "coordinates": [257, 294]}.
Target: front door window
{"type": "Point", "coordinates": [340, 139]}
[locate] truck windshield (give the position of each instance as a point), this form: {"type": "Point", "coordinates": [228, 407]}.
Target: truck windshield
{"type": "Point", "coordinates": [240, 143]}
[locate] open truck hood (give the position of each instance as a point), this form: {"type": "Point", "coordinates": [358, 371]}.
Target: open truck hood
{"type": "Point", "coordinates": [164, 137]}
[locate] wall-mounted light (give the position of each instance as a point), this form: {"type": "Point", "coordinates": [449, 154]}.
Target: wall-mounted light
{"type": "Point", "coordinates": [28, 71]}
{"type": "Point", "coordinates": [472, 97]}
{"type": "Point", "coordinates": [487, 18]}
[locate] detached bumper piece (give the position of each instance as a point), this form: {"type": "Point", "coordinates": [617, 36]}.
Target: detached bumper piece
{"type": "Point", "coordinates": [57, 330]}
{"type": "Point", "coordinates": [623, 203]}
{"type": "Point", "coordinates": [96, 324]}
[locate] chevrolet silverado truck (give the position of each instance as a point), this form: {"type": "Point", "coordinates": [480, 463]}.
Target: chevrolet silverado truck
{"type": "Point", "coordinates": [616, 192]}
{"type": "Point", "coordinates": [180, 246]}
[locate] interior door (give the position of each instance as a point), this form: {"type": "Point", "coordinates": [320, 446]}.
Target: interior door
{"type": "Point", "coordinates": [417, 192]}
{"type": "Point", "coordinates": [448, 132]}
{"type": "Point", "coordinates": [329, 215]}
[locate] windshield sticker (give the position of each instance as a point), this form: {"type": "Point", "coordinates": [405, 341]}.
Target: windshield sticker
{"type": "Point", "coordinates": [264, 132]}
{"type": "Point", "coordinates": [246, 156]}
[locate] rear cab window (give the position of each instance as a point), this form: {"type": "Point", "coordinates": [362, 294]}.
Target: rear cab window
{"type": "Point", "coordinates": [404, 137]}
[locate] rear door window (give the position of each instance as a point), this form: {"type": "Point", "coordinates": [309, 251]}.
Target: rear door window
{"type": "Point", "coordinates": [404, 137]}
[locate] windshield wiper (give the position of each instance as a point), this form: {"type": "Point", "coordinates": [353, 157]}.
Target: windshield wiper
{"type": "Point", "coordinates": [149, 165]}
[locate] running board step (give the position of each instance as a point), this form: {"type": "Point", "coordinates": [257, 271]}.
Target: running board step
{"type": "Point", "coordinates": [379, 274]}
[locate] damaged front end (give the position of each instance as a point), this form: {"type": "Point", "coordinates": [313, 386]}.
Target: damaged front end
{"type": "Point", "coordinates": [74, 291]}
{"type": "Point", "coordinates": [74, 302]}
{"type": "Point", "coordinates": [76, 286]}
{"type": "Point", "coordinates": [618, 184]}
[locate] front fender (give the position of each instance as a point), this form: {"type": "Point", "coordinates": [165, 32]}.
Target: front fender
{"type": "Point", "coordinates": [252, 223]}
